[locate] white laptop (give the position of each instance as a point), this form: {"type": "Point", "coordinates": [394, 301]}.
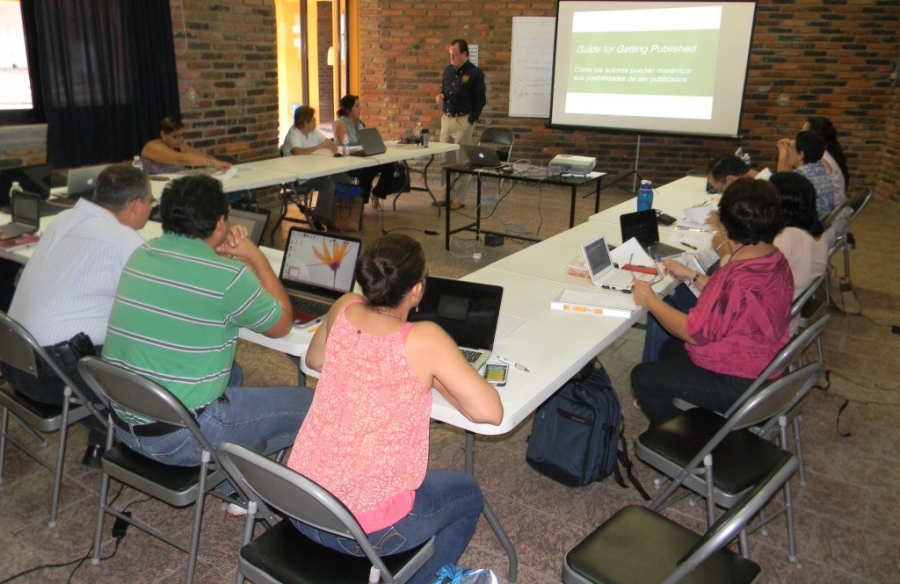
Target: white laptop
{"type": "Point", "coordinates": [81, 181]}
{"type": "Point", "coordinates": [604, 272]}
{"type": "Point", "coordinates": [26, 216]}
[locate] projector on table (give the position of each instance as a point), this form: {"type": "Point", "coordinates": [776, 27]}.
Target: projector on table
{"type": "Point", "coordinates": [571, 164]}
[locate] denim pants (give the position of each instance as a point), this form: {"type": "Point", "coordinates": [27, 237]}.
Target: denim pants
{"type": "Point", "coordinates": [655, 385]}
{"type": "Point", "coordinates": [682, 299]}
{"type": "Point", "coordinates": [447, 506]}
{"type": "Point", "coordinates": [263, 418]}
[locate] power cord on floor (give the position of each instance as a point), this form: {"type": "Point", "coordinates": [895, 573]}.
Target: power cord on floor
{"type": "Point", "coordinates": [80, 560]}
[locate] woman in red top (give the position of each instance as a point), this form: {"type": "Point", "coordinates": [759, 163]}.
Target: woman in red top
{"type": "Point", "coordinates": [740, 321]}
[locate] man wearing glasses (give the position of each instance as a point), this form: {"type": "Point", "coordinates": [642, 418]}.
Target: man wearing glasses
{"type": "Point", "coordinates": [66, 291]}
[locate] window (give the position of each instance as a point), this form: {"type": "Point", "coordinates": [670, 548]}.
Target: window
{"type": "Point", "coordinates": [17, 100]}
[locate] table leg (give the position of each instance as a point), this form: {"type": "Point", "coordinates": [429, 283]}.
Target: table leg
{"type": "Point", "coordinates": [447, 208]}
{"type": "Point", "coordinates": [597, 196]}
{"type": "Point", "coordinates": [572, 207]}
{"type": "Point", "coordinates": [489, 514]}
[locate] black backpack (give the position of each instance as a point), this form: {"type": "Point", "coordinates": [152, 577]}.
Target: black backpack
{"type": "Point", "coordinates": [577, 435]}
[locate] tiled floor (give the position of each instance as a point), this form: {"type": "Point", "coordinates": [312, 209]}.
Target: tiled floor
{"type": "Point", "coordinates": [848, 516]}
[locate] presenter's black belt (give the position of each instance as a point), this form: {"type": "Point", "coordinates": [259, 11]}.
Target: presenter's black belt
{"type": "Point", "coordinates": [455, 115]}
{"type": "Point", "coordinates": [153, 428]}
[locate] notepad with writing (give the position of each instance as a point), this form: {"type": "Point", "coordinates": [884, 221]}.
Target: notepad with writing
{"type": "Point", "coordinates": [594, 303]}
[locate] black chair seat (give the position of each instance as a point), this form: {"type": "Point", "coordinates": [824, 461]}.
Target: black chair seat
{"type": "Point", "coordinates": [292, 558]}
{"type": "Point", "coordinates": [637, 545]}
{"type": "Point", "coordinates": [52, 415]}
{"type": "Point", "coordinates": [740, 460]}
{"type": "Point", "coordinates": [179, 483]}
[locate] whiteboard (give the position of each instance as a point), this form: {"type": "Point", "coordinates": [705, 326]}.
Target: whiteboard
{"type": "Point", "coordinates": [531, 67]}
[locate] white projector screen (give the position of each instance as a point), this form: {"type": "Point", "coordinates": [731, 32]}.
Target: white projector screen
{"type": "Point", "coordinates": [654, 67]}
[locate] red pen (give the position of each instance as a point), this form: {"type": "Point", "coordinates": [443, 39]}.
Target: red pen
{"type": "Point", "coordinates": [640, 269]}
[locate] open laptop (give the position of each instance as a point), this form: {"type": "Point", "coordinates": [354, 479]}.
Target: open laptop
{"type": "Point", "coordinates": [26, 216]}
{"type": "Point", "coordinates": [33, 179]}
{"type": "Point", "coordinates": [370, 141]}
{"type": "Point", "coordinates": [317, 269]}
{"type": "Point", "coordinates": [481, 156]}
{"type": "Point", "coordinates": [468, 311]}
{"type": "Point", "coordinates": [80, 182]}
{"type": "Point", "coordinates": [642, 226]}
{"type": "Point", "coordinates": [604, 272]}
{"type": "Point", "coordinates": [254, 221]}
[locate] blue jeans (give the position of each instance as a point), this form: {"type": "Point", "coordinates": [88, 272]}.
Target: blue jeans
{"type": "Point", "coordinates": [682, 299]}
{"type": "Point", "coordinates": [447, 506]}
{"type": "Point", "coordinates": [655, 385]}
{"type": "Point", "coordinates": [263, 418]}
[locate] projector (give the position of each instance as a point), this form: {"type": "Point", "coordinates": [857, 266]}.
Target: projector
{"type": "Point", "coordinates": [570, 164]}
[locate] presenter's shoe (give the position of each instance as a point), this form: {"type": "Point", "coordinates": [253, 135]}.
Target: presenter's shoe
{"type": "Point", "coordinates": [438, 204]}
{"type": "Point", "coordinates": [455, 206]}
{"type": "Point", "coordinates": [92, 456]}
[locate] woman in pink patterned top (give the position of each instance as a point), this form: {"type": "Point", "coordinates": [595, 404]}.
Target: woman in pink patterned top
{"type": "Point", "coordinates": [740, 321]}
{"type": "Point", "coordinates": [366, 436]}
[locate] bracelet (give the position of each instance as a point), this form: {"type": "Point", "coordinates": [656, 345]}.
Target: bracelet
{"type": "Point", "coordinates": [694, 279]}
{"type": "Point", "coordinates": [208, 162]}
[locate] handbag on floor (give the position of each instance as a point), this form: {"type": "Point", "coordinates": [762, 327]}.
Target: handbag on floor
{"type": "Point", "coordinates": [577, 435]}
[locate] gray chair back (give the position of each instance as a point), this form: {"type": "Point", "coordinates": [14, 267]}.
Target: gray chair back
{"type": "Point", "coordinates": [800, 301]}
{"type": "Point", "coordinates": [124, 390]}
{"type": "Point", "coordinates": [294, 495]}
{"type": "Point", "coordinates": [775, 397]}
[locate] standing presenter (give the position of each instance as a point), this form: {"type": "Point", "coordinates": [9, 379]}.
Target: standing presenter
{"type": "Point", "coordinates": [461, 100]}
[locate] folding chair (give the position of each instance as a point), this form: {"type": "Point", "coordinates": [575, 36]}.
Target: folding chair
{"type": "Point", "coordinates": [857, 205]}
{"type": "Point", "coordinates": [20, 350]}
{"type": "Point", "coordinates": [177, 486]}
{"type": "Point", "coordinates": [502, 140]}
{"type": "Point", "coordinates": [298, 194]}
{"type": "Point", "coordinates": [719, 457]}
{"type": "Point", "coordinates": [282, 553]}
{"type": "Point", "coordinates": [639, 546]}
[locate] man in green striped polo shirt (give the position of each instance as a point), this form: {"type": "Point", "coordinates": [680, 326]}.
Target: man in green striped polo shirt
{"type": "Point", "coordinates": [180, 302]}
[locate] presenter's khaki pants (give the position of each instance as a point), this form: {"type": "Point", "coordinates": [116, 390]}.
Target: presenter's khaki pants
{"type": "Point", "coordinates": [456, 131]}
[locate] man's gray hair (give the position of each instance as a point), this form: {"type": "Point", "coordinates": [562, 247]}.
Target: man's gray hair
{"type": "Point", "coordinates": [118, 185]}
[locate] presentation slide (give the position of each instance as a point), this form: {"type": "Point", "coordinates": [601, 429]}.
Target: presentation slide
{"type": "Point", "coordinates": [656, 67]}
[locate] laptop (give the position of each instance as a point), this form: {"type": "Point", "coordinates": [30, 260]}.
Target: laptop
{"type": "Point", "coordinates": [603, 270]}
{"type": "Point", "coordinates": [33, 179]}
{"type": "Point", "coordinates": [481, 156]}
{"type": "Point", "coordinates": [370, 142]}
{"type": "Point", "coordinates": [317, 269]}
{"type": "Point", "coordinates": [254, 221]}
{"type": "Point", "coordinates": [81, 181]}
{"type": "Point", "coordinates": [468, 311]}
{"type": "Point", "coordinates": [642, 226]}
{"type": "Point", "coordinates": [26, 216]}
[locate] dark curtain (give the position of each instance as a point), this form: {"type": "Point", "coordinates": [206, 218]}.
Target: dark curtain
{"type": "Point", "coordinates": [107, 74]}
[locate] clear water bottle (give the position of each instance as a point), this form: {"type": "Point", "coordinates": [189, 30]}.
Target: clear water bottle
{"type": "Point", "coordinates": [15, 189]}
{"type": "Point", "coordinates": [645, 196]}
{"type": "Point", "coordinates": [138, 164]}
{"type": "Point", "coordinates": [346, 145]}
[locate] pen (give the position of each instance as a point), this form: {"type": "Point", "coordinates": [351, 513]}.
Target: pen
{"type": "Point", "coordinates": [512, 363]}
{"type": "Point", "coordinates": [688, 245]}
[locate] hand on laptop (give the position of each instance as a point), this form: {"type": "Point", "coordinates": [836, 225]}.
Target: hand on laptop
{"type": "Point", "coordinates": [642, 293]}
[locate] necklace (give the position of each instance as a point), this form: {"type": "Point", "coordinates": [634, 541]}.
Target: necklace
{"type": "Point", "coordinates": [737, 250]}
{"type": "Point", "coordinates": [385, 312]}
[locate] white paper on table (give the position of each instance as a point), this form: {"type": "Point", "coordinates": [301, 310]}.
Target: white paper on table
{"type": "Point", "coordinates": [698, 239]}
{"type": "Point", "coordinates": [226, 174]}
{"type": "Point", "coordinates": [506, 324]}
{"type": "Point", "coordinates": [631, 252]}
{"type": "Point", "coordinates": [688, 224]}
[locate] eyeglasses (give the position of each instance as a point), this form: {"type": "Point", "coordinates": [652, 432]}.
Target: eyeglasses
{"type": "Point", "coordinates": [151, 200]}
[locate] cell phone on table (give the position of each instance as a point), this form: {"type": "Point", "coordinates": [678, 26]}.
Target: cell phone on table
{"type": "Point", "coordinates": [496, 373]}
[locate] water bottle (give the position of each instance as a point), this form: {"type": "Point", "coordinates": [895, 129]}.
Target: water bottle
{"type": "Point", "coordinates": [13, 190]}
{"type": "Point", "coordinates": [138, 164]}
{"type": "Point", "coordinates": [645, 196]}
{"type": "Point", "coordinates": [346, 145]}
{"type": "Point", "coordinates": [425, 136]}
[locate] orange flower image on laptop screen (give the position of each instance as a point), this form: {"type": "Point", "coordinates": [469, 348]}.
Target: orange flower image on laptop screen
{"type": "Point", "coordinates": [333, 257]}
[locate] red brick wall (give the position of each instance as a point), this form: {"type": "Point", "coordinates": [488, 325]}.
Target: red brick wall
{"type": "Point", "coordinates": [830, 59]}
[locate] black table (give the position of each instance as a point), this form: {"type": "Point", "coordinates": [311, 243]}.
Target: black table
{"type": "Point", "coordinates": [573, 182]}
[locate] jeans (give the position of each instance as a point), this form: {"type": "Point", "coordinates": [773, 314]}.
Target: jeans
{"type": "Point", "coordinates": [682, 299]}
{"type": "Point", "coordinates": [263, 418]}
{"type": "Point", "coordinates": [656, 384]}
{"type": "Point", "coordinates": [447, 506]}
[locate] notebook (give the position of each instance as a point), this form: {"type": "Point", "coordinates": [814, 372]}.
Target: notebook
{"type": "Point", "coordinates": [481, 156]}
{"type": "Point", "coordinates": [603, 271]}
{"type": "Point", "coordinates": [371, 143]}
{"type": "Point", "coordinates": [468, 311]}
{"type": "Point", "coordinates": [317, 269]}
{"type": "Point", "coordinates": [26, 216]}
{"type": "Point", "coordinates": [80, 182]}
{"type": "Point", "coordinates": [642, 226]}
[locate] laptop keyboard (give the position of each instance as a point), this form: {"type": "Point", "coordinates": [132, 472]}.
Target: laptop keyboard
{"type": "Point", "coordinates": [309, 306]}
{"type": "Point", "coordinates": [619, 279]}
{"type": "Point", "coordinates": [470, 355]}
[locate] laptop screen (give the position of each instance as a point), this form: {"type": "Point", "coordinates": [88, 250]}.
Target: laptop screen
{"type": "Point", "coordinates": [26, 208]}
{"type": "Point", "coordinates": [596, 254]}
{"type": "Point", "coordinates": [641, 225]}
{"type": "Point", "coordinates": [319, 262]}
{"type": "Point", "coordinates": [467, 311]}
